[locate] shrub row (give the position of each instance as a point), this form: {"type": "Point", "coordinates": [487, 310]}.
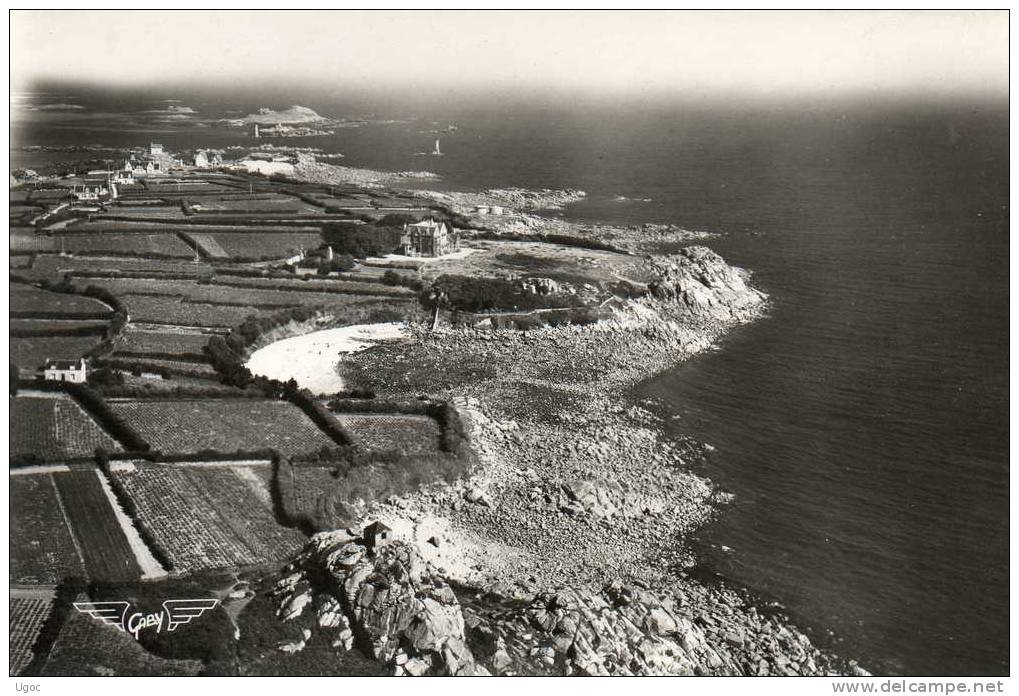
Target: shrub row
{"type": "Point", "coordinates": [85, 330]}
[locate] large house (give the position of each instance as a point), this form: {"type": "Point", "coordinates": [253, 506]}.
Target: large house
{"type": "Point", "coordinates": [64, 371]}
{"type": "Point", "coordinates": [428, 238]}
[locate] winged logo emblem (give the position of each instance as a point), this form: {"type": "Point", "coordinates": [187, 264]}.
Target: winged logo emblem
{"type": "Point", "coordinates": [175, 613]}
{"type": "Point", "coordinates": [181, 611]}
{"type": "Point", "coordinates": [112, 613]}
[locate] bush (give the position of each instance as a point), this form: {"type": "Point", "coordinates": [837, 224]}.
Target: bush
{"type": "Point", "coordinates": [471, 294]}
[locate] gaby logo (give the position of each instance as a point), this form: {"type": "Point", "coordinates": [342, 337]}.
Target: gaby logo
{"type": "Point", "coordinates": [176, 612]}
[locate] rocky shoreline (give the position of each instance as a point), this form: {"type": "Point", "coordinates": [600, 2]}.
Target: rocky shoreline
{"type": "Point", "coordinates": [564, 553]}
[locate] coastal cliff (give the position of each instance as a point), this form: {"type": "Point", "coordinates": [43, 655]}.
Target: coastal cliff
{"type": "Point", "coordinates": [564, 553]}
{"type": "Point", "coordinates": [399, 609]}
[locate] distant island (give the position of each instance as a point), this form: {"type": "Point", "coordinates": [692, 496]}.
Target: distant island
{"type": "Point", "coordinates": [295, 114]}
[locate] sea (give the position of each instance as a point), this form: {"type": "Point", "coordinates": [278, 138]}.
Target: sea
{"type": "Point", "coordinates": [862, 426]}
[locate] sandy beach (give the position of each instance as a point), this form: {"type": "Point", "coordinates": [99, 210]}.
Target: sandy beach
{"type": "Point", "coordinates": [311, 359]}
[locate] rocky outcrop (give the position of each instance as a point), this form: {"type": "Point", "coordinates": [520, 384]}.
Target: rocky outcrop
{"type": "Point", "coordinates": [389, 603]}
{"type": "Point", "coordinates": [704, 283]}
{"type": "Point", "coordinates": [399, 609]}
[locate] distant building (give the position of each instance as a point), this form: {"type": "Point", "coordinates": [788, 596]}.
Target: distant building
{"type": "Point", "coordinates": [428, 238]}
{"type": "Point", "coordinates": [155, 149]}
{"type": "Point", "coordinates": [201, 160]}
{"type": "Point", "coordinates": [378, 534]}
{"type": "Point", "coordinates": [125, 175]}
{"type": "Point", "coordinates": [91, 191]}
{"type": "Point", "coordinates": [64, 371]}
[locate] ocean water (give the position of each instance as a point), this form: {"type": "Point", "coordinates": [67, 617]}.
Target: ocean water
{"type": "Point", "coordinates": [862, 426]}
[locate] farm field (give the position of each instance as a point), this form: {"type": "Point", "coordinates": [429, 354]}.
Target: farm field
{"type": "Point", "coordinates": [42, 546]}
{"type": "Point", "coordinates": [406, 433]}
{"type": "Point", "coordinates": [91, 648]}
{"type": "Point", "coordinates": [157, 309]}
{"type": "Point", "coordinates": [104, 547]}
{"type": "Point", "coordinates": [53, 429]}
{"type": "Point", "coordinates": [130, 243]}
{"type": "Point", "coordinates": [238, 295]}
{"type": "Point", "coordinates": [187, 426]}
{"type": "Point", "coordinates": [27, 240]}
{"type": "Point", "coordinates": [257, 245]}
{"type": "Point", "coordinates": [208, 225]}
{"type": "Point", "coordinates": [29, 611]}
{"type": "Point", "coordinates": [156, 212]}
{"type": "Point", "coordinates": [178, 342]}
{"type": "Point", "coordinates": [316, 284]}
{"type": "Point", "coordinates": [30, 353]}
{"type": "Point", "coordinates": [209, 246]}
{"type": "Point", "coordinates": [53, 266]}
{"type": "Point", "coordinates": [258, 203]}
{"type": "Point", "coordinates": [28, 298]}
{"type": "Point", "coordinates": [207, 517]}
{"type": "Point", "coordinates": [24, 327]}
{"type": "Point", "coordinates": [180, 367]}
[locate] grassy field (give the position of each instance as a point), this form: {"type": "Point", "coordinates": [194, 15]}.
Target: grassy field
{"type": "Point", "coordinates": [208, 517]}
{"type": "Point", "coordinates": [156, 365]}
{"type": "Point", "coordinates": [135, 341]}
{"type": "Point", "coordinates": [266, 244]}
{"type": "Point", "coordinates": [406, 433]}
{"type": "Point", "coordinates": [316, 284]}
{"type": "Point", "coordinates": [42, 547]}
{"type": "Point", "coordinates": [86, 647]}
{"type": "Point", "coordinates": [29, 353]}
{"type": "Point", "coordinates": [130, 243]}
{"type": "Point", "coordinates": [28, 298]}
{"type": "Point", "coordinates": [187, 426]}
{"type": "Point", "coordinates": [209, 246]}
{"type": "Point", "coordinates": [21, 327]}
{"type": "Point", "coordinates": [54, 429]}
{"type": "Point", "coordinates": [211, 293]}
{"type": "Point", "coordinates": [28, 614]}
{"type": "Point", "coordinates": [174, 310]}
{"type": "Point", "coordinates": [156, 212]}
{"type": "Point", "coordinates": [54, 266]}
{"type": "Point", "coordinates": [25, 239]}
{"type": "Point", "coordinates": [104, 547]}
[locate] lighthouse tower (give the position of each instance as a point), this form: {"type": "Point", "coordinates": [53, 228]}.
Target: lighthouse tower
{"type": "Point", "coordinates": [256, 130]}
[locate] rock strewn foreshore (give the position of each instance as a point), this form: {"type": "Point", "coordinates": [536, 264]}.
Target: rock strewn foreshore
{"type": "Point", "coordinates": [312, 172]}
{"type": "Point", "coordinates": [568, 543]}
{"type": "Point", "coordinates": [519, 199]}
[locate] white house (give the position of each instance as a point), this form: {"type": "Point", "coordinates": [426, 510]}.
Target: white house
{"type": "Point", "coordinates": [125, 175]}
{"type": "Point", "coordinates": [65, 371]}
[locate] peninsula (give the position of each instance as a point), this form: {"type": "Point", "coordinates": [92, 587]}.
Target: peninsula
{"type": "Point", "coordinates": [387, 431]}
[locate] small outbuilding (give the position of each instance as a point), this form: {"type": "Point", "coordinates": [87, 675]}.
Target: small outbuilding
{"type": "Point", "coordinates": [377, 534]}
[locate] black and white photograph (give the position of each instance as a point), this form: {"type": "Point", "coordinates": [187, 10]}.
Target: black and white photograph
{"type": "Point", "coordinates": [516, 342]}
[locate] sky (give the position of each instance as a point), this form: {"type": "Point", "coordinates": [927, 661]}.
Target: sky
{"type": "Point", "coordinates": [769, 54]}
